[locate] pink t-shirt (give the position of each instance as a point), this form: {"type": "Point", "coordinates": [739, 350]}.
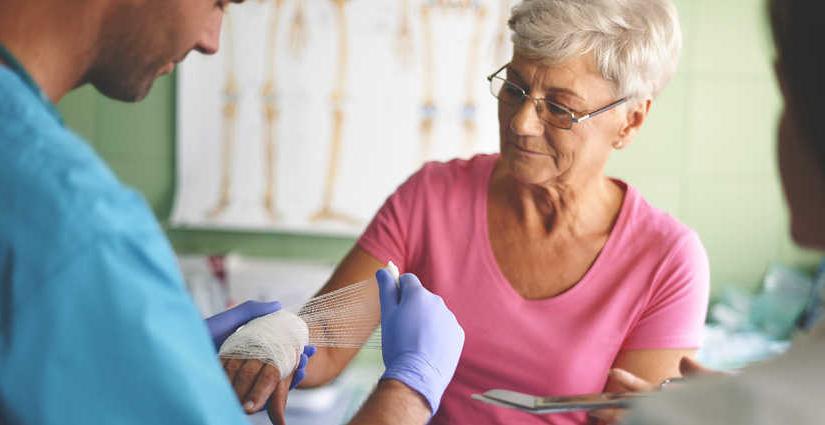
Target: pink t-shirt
{"type": "Point", "coordinates": [647, 289]}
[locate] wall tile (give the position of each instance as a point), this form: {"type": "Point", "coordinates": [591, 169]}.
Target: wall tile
{"type": "Point", "coordinates": [729, 36]}
{"type": "Point", "coordinates": [739, 225]}
{"type": "Point", "coordinates": [142, 129]}
{"type": "Point", "coordinates": [658, 146]}
{"type": "Point", "coordinates": [79, 112]}
{"type": "Point", "coordinates": [732, 126]}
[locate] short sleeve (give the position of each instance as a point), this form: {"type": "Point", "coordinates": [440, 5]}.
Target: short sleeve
{"type": "Point", "coordinates": [674, 314]}
{"type": "Point", "coordinates": [386, 237]}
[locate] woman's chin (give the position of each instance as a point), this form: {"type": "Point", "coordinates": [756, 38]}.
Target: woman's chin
{"type": "Point", "coordinates": [530, 169]}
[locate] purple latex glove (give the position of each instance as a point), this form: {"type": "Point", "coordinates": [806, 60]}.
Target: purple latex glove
{"type": "Point", "coordinates": [224, 324]}
{"type": "Point", "coordinates": [300, 371]}
{"type": "Point", "coordinates": [420, 336]}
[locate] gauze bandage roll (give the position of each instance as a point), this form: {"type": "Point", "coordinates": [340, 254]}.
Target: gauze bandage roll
{"type": "Point", "coordinates": [343, 318]}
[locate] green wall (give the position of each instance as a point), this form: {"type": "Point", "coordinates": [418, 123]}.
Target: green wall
{"type": "Point", "coordinates": [706, 153]}
{"type": "Point", "coordinates": [137, 141]}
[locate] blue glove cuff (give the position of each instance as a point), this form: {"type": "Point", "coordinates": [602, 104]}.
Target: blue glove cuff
{"type": "Point", "coordinates": [420, 375]}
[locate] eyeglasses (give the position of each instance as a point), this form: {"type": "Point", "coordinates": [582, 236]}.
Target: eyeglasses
{"type": "Point", "coordinates": [548, 111]}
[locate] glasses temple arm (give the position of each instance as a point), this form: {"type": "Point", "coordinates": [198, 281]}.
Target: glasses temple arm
{"type": "Point", "coordinates": [605, 108]}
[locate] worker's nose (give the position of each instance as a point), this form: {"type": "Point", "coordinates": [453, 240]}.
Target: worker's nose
{"type": "Point", "coordinates": [210, 40]}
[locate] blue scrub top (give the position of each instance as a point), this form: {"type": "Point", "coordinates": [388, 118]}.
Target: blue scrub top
{"type": "Point", "coordinates": [95, 324]}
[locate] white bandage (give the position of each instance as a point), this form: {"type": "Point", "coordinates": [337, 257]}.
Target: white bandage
{"type": "Point", "coordinates": [277, 339]}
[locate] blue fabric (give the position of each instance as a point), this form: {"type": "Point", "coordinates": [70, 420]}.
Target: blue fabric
{"type": "Point", "coordinates": [95, 324]}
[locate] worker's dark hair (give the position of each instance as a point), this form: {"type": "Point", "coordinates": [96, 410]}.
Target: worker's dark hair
{"type": "Point", "coordinates": [799, 37]}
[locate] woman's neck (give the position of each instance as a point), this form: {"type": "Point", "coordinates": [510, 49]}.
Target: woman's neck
{"type": "Point", "coordinates": [586, 208]}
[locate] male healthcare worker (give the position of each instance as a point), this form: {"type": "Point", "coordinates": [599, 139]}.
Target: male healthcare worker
{"type": "Point", "coordinates": [791, 388]}
{"type": "Point", "coordinates": [95, 325]}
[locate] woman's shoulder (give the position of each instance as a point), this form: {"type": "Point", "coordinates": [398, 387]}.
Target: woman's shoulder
{"type": "Point", "coordinates": [656, 241]}
{"type": "Point", "coordinates": [648, 222]}
{"type": "Point", "coordinates": [449, 177]}
{"type": "Point", "coordinates": [473, 168]}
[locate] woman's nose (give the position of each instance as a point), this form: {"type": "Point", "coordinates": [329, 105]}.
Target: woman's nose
{"type": "Point", "coordinates": [525, 120]}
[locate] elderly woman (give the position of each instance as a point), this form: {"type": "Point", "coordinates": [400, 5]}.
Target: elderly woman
{"type": "Point", "coordinates": [556, 272]}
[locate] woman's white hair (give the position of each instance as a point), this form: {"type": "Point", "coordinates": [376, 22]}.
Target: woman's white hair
{"type": "Point", "coordinates": [635, 43]}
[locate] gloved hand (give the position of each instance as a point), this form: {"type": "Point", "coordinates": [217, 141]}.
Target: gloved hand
{"type": "Point", "coordinates": [301, 370]}
{"type": "Point", "coordinates": [224, 324]}
{"type": "Point", "coordinates": [421, 338]}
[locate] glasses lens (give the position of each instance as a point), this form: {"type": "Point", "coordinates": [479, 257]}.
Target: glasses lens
{"type": "Point", "coordinates": [511, 94]}
{"type": "Point", "coordinates": [556, 115]}
{"type": "Point", "coordinates": [506, 92]}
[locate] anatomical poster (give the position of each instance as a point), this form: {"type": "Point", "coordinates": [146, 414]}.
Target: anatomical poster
{"type": "Point", "coordinates": [314, 111]}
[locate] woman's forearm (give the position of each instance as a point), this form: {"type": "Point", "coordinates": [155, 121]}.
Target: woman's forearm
{"type": "Point", "coordinates": [329, 362]}
{"type": "Point", "coordinates": [393, 403]}
{"type": "Point", "coordinates": [326, 365]}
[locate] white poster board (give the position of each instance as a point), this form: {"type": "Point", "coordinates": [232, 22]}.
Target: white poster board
{"type": "Point", "coordinates": [314, 111]}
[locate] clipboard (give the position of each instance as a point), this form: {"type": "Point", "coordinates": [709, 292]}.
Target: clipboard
{"type": "Point", "coordinates": [546, 405]}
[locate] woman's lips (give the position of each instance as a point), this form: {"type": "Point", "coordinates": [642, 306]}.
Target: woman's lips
{"type": "Point", "coordinates": [528, 151]}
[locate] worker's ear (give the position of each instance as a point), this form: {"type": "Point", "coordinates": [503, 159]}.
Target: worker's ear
{"type": "Point", "coordinates": [635, 117]}
{"type": "Point", "coordinates": [780, 77]}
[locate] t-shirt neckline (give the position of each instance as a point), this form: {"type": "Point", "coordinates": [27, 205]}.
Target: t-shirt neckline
{"type": "Point", "coordinates": [573, 291]}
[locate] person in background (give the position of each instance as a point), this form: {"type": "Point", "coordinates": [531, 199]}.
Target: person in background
{"type": "Point", "coordinates": [789, 389]}
{"type": "Point", "coordinates": [95, 324]}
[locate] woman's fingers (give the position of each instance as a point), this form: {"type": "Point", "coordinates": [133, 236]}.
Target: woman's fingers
{"type": "Point", "coordinates": [606, 416]}
{"type": "Point", "coordinates": [244, 381]}
{"type": "Point", "coordinates": [254, 381]}
{"type": "Point", "coordinates": [629, 382]}
{"type": "Point", "coordinates": [265, 385]}
{"type": "Point", "coordinates": [231, 367]}
{"type": "Point", "coordinates": [690, 367]}
{"type": "Point", "coordinates": [300, 371]}
{"type": "Point", "coordinates": [277, 404]}
{"type": "Point", "coordinates": [619, 380]}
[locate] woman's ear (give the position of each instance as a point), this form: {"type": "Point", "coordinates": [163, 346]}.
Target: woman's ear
{"type": "Point", "coordinates": [636, 116]}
